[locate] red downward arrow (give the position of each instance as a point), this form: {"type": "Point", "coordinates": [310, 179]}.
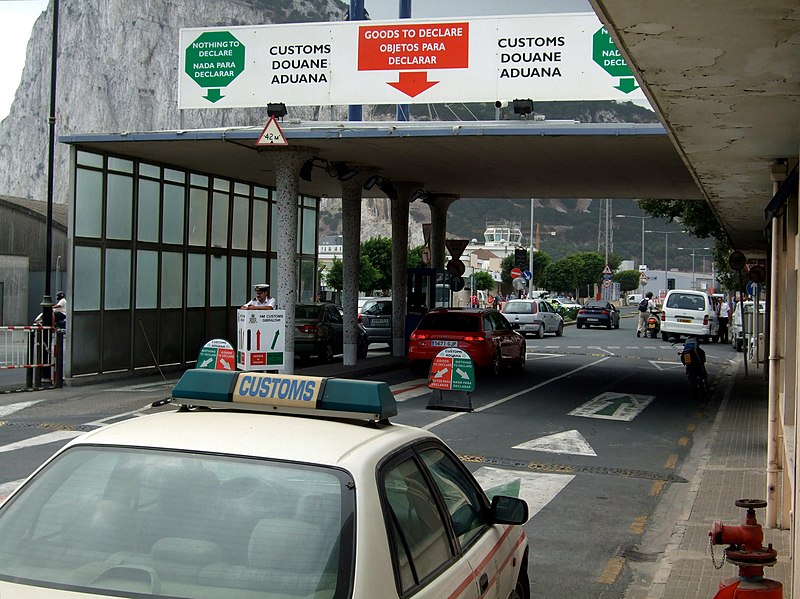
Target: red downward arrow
{"type": "Point", "coordinates": [413, 83]}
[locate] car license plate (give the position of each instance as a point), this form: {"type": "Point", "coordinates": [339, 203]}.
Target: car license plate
{"type": "Point", "coordinates": [591, 320]}
{"type": "Point", "coordinates": [437, 343]}
{"type": "Point", "coordinates": [380, 322]}
{"type": "Point", "coordinates": [684, 320]}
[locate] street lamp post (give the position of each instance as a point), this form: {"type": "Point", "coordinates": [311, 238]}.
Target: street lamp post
{"type": "Point", "coordinates": [666, 235]}
{"type": "Point", "coordinates": [693, 271]}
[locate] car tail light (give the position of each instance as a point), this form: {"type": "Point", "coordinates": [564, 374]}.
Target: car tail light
{"type": "Point", "coordinates": [604, 312]}
{"type": "Point", "coordinates": [475, 339]}
{"type": "Point", "coordinates": [308, 329]}
{"type": "Point", "coordinates": [416, 336]}
{"type": "Point", "coordinates": [705, 320]}
{"type": "Point", "coordinates": [360, 318]}
{"type": "Point", "coordinates": [581, 311]}
{"type": "Point", "coordinates": [663, 316]}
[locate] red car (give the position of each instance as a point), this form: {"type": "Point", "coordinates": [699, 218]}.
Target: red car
{"type": "Point", "coordinates": [486, 335]}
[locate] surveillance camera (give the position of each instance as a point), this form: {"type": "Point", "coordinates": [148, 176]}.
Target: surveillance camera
{"type": "Point", "coordinates": [500, 103]}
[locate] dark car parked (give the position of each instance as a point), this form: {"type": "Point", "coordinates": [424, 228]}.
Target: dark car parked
{"type": "Point", "coordinates": [319, 331]}
{"type": "Point", "coordinates": [598, 313]}
{"type": "Point", "coordinates": [376, 316]}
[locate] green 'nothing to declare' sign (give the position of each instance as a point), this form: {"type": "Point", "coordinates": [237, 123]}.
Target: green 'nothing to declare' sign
{"type": "Point", "coordinates": [214, 60]}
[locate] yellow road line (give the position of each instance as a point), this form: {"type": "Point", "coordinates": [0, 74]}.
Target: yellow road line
{"type": "Point", "coordinates": [672, 461]}
{"type": "Point", "coordinates": [683, 441]}
{"type": "Point", "coordinates": [691, 428]}
{"type": "Point", "coordinates": [612, 570]}
{"type": "Point", "coordinates": [657, 487]}
{"type": "Point", "coordinates": [637, 526]}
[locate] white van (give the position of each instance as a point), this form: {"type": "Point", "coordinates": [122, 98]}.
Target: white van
{"type": "Point", "coordinates": [686, 312]}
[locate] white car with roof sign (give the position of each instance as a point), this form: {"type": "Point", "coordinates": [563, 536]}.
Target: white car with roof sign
{"type": "Point", "coordinates": [261, 485]}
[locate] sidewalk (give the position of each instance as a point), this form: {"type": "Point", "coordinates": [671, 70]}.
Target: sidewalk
{"type": "Point", "coordinates": [732, 465]}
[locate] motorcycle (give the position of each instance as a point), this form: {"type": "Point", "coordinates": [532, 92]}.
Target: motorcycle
{"type": "Point", "coordinates": [653, 324]}
{"type": "Point", "coordinates": [694, 360]}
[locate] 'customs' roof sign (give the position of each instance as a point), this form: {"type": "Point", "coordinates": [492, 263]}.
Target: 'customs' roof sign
{"type": "Point", "coordinates": [480, 59]}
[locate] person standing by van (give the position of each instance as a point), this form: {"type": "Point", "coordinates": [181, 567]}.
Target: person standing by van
{"type": "Point", "coordinates": [724, 319]}
{"type": "Point", "coordinates": [644, 308]}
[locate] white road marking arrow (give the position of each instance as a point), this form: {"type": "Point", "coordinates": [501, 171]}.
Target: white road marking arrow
{"type": "Point", "coordinates": [569, 442]}
{"type": "Point", "coordinates": [536, 489]}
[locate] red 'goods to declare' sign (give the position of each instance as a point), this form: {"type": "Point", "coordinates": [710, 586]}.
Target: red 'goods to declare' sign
{"type": "Point", "coordinates": [417, 46]}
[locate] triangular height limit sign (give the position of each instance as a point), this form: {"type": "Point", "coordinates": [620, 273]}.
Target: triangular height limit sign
{"type": "Point", "coordinates": [272, 135]}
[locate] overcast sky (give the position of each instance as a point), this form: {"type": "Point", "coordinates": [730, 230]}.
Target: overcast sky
{"type": "Point", "coordinates": [17, 18]}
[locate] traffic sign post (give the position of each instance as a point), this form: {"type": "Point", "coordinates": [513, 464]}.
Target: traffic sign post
{"type": "Point", "coordinates": [260, 339]}
{"type": "Point", "coordinates": [451, 371]}
{"type": "Point", "coordinates": [217, 354]}
{"type": "Point", "coordinates": [516, 273]}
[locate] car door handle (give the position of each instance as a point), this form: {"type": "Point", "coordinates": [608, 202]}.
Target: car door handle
{"type": "Point", "coordinates": [483, 583]}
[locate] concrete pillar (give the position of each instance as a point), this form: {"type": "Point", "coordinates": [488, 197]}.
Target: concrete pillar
{"type": "Point", "coordinates": [351, 263]}
{"type": "Point", "coordinates": [287, 168]}
{"type": "Point", "coordinates": [399, 211]}
{"type": "Point", "coordinates": [439, 204]}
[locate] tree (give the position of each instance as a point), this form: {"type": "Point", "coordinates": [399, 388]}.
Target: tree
{"type": "Point", "coordinates": [367, 275]}
{"type": "Point", "coordinates": [378, 251]}
{"type": "Point", "coordinates": [484, 280]}
{"type": "Point", "coordinates": [590, 268]}
{"type": "Point", "coordinates": [628, 280]}
{"type": "Point", "coordinates": [541, 260]}
{"type": "Point", "coordinates": [414, 259]}
{"type": "Point", "coordinates": [561, 276]}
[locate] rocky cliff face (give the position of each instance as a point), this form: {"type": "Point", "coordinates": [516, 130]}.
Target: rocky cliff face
{"type": "Point", "coordinates": [118, 71]}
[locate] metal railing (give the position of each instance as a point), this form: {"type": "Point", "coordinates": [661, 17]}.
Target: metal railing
{"type": "Point", "coordinates": [37, 349]}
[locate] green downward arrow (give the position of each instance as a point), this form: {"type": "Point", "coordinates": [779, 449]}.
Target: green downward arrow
{"type": "Point", "coordinates": [214, 95]}
{"type": "Point", "coordinates": [627, 85]}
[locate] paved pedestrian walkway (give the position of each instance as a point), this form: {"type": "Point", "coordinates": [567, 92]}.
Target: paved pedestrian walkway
{"type": "Point", "coordinates": [732, 466]}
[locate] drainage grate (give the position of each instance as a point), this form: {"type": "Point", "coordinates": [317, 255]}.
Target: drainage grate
{"type": "Point", "coordinates": [47, 425]}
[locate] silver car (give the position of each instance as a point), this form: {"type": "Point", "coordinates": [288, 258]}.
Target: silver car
{"type": "Point", "coordinates": [376, 317]}
{"type": "Point", "coordinates": [534, 317]}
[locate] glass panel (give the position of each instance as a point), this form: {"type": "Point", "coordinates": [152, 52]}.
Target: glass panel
{"type": "Point", "coordinates": [309, 243]}
{"type": "Point", "coordinates": [307, 281]}
{"type": "Point", "coordinates": [120, 164]}
{"type": "Point", "coordinates": [273, 227]}
{"type": "Point", "coordinates": [299, 228]}
{"type": "Point", "coordinates": [463, 500]}
{"type": "Point", "coordinates": [241, 188]}
{"type": "Point", "coordinates": [258, 271]}
{"type": "Point", "coordinates": [239, 290]}
{"type": "Point", "coordinates": [198, 216]}
{"type": "Point", "coordinates": [196, 283]}
{"type": "Point", "coordinates": [86, 281]}
{"type": "Point", "coordinates": [241, 222]}
{"type": "Point", "coordinates": [149, 170]}
{"type": "Point", "coordinates": [146, 279]}
{"type": "Point", "coordinates": [88, 203]}
{"type": "Point", "coordinates": [148, 210]}
{"type": "Point", "coordinates": [219, 221]}
{"type": "Point", "coordinates": [259, 226]}
{"type": "Point", "coordinates": [219, 281]}
{"type": "Point", "coordinates": [89, 159]}
{"type": "Point", "coordinates": [173, 214]}
{"type": "Point", "coordinates": [119, 207]}
{"type": "Point", "coordinates": [173, 175]}
{"type": "Point", "coordinates": [171, 280]}
{"type": "Point", "coordinates": [260, 192]}
{"type": "Point", "coordinates": [198, 180]}
{"type": "Point", "coordinates": [419, 521]}
{"type": "Point", "coordinates": [118, 279]}
{"type": "Point", "coordinates": [222, 185]}
{"type": "Point", "coordinates": [273, 277]}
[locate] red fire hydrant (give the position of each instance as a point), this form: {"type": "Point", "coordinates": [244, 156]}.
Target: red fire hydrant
{"type": "Point", "coordinates": [745, 551]}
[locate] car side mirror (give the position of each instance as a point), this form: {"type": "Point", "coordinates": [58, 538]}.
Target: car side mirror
{"type": "Point", "coordinates": [509, 510]}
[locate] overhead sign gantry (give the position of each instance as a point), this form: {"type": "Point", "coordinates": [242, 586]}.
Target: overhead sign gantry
{"type": "Point", "coordinates": [483, 59]}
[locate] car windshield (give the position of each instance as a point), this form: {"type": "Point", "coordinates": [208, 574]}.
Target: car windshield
{"type": "Point", "coordinates": [449, 321]}
{"type": "Point", "coordinates": [307, 312]}
{"type": "Point", "coordinates": [518, 308]}
{"type": "Point", "coordinates": [124, 521]}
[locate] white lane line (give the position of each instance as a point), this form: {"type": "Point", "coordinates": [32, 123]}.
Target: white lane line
{"type": "Point", "coordinates": [41, 440]}
{"type": "Point", "coordinates": [502, 400]}
{"type": "Point", "coordinates": [598, 348]}
{"type": "Point", "coordinates": [16, 407]}
{"type": "Point", "coordinates": [410, 389]}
